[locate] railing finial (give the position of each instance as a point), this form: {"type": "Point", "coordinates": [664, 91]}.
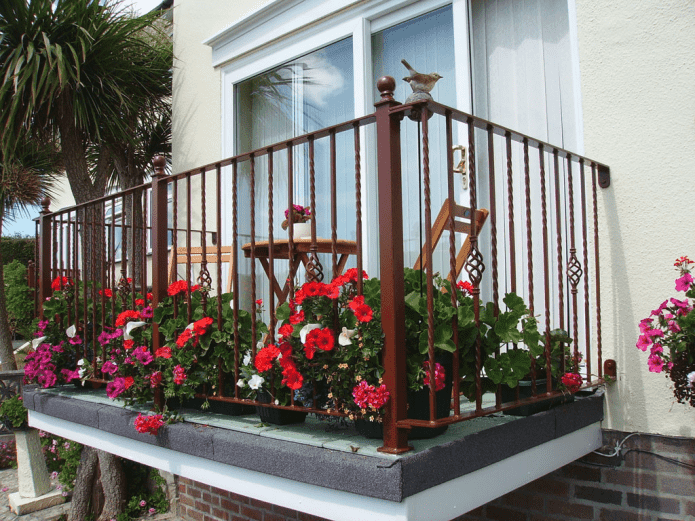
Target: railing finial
{"type": "Point", "coordinates": [45, 203]}
{"type": "Point", "coordinates": [386, 86]}
{"type": "Point", "coordinates": [159, 164]}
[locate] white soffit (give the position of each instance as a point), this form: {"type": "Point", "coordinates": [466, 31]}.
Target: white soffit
{"type": "Point", "coordinates": [280, 20]}
{"type": "Point", "coordinates": [440, 503]}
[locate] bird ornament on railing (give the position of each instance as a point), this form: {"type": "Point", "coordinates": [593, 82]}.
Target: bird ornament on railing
{"type": "Point", "coordinates": [421, 83]}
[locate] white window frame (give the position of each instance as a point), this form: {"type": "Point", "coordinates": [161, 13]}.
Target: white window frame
{"type": "Point", "coordinates": [282, 31]}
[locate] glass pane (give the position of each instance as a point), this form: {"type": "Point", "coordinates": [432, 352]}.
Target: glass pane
{"type": "Point", "coordinates": [426, 43]}
{"type": "Point", "coordinates": [309, 93]}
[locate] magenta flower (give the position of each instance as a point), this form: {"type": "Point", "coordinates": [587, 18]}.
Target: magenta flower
{"type": "Point", "coordinates": [109, 367]}
{"type": "Point", "coordinates": [645, 325]}
{"type": "Point", "coordinates": [70, 375]}
{"type": "Point", "coordinates": [147, 312]}
{"type": "Point", "coordinates": [143, 355]}
{"type": "Point", "coordinates": [656, 363]}
{"type": "Point", "coordinates": [683, 283]}
{"type": "Point", "coordinates": [115, 388]}
{"type": "Point", "coordinates": [643, 342]}
{"type": "Point", "coordinates": [658, 310]}
{"type": "Point", "coordinates": [76, 340]}
{"type": "Point", "coordinates": [656, 348]}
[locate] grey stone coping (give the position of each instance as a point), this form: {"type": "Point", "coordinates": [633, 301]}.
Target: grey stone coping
{"type": "Point", "coordinates": [337, 459]}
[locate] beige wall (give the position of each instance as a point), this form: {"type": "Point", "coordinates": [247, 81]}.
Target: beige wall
{"type": "Point", "coordinates": [196, 105]}
{"type": "Point", "coordinates": [637, 83]}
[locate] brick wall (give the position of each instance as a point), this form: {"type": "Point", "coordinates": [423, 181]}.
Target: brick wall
{"type": "Point", "coordinates": [650, 482]}
{"type": "Point", "coordinates": [199, 502]}
{"type": "Point", "coordinates": [653, 480]}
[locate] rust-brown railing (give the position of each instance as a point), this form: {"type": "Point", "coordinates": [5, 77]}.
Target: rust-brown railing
{"type": "Point", "coordinates": [541, 239]}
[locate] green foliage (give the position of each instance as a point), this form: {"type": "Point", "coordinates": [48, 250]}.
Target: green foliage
{"type": "Point", "coordinates": [13, 412]}
{"type": "Point", "coordinates": [20, 306]}
{"type": "Point", "coordinates": [18, 247]}
{"type": "Point", "coordinates": [140, 481]}
{"type": "Point", "coordinates": [8, 455]}
{"type": "Point", "coordinates": [62, 458]}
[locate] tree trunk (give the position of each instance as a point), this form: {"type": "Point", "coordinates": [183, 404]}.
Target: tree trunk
{"type": "Point", "coordinates": [100, 488]}
{"type": "Point", "coordinates": [6, 350]}
{"type": "Point", "coordinates": [113, 484]}
{"type": "Point", "coordinates": [86, 473]}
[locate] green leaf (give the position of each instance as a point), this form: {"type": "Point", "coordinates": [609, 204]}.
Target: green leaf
{"type": "Point", "coordinates": [283, 312]}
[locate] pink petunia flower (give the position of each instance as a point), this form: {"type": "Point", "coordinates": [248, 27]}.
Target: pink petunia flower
{"type": "Point", "coordinates": [683, 283]}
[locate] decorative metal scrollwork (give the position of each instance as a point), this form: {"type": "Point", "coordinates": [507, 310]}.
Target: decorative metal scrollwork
{"type": "Point", "coordinates": [474, 265]}
{"type": "Point", "coordinates": [574, 270]}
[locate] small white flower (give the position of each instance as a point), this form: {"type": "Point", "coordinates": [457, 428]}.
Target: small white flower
{"type": "Point", "coordinates": [691, 380]}
{"type": "Point", "coordinates": [345, 336]}
{"type": "Point", "coordinates": [247, 358]}
{"type": "Point", "coordinates": [277, 402]}
{"type": "Point", "coordinates": [241, 383]}
{"type": "Point", "coordinates": [129, 327]}
{"type": "Point", "coordinates": [305, 330]}
{"type": "Point", "coordinates": [190, 326]}
{"type": "Point", "coordinates": [259, 345]}
{"type": "Point", "coordinates": [71, 331]}
{"type": "Point", "coordinates": [37, 342]}
{"type": "Point", "coordinates": [256, 381]}
{"type": "Point", "coordinates": [80, 362]}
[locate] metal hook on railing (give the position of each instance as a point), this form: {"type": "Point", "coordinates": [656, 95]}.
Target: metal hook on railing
{"type": "Point", "coordinates": [461, 167]}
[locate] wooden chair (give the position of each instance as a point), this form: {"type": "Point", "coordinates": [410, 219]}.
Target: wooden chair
{"type": "Point", "coordinates": [194, 255]}
{"type": "Point", "coordinates": [462, 224]}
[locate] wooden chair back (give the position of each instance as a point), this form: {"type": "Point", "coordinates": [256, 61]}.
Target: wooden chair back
{"type": "Point", "coordinates": [462, 224]}
{"type": "Point", "coordinates": [194, 255]}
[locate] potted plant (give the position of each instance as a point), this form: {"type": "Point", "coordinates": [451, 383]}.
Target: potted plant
{"type": "Point", "coordinates": [337, 341]}
{"type": "Point", "coordinates": [299, 216]}
{"type": "Point", "coordinates": [669, 335]}
{"type": "Point", "coordinates": [14, 415]}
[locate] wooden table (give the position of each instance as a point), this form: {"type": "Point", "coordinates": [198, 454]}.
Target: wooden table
{"type": "Point", "coordinates": [302, 254]}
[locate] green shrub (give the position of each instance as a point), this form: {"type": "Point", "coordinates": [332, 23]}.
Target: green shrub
{"type": "Point", "coordinates": [20, 306]}
{"type": "Point", "coordinates": [17, 247]}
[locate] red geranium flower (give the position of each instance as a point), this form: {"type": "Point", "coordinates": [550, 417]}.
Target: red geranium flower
{"type": "Point", "coordinates": [60, 283]}
{"type": "Point", "coordinates": [200, 326]}
{"type": "Point", "coordinates": [163, 352]}
{"type": "Point", "coordinates": [184, 337]}
{"type": "Point", "coordinates": [297, 318]}
{"type": "Point", "coordinates": [125, 316]}
{"type": "Point", "coordinates": [265, 357]}
{"type": "Point", "coordinates": [322, 339]}
{"type": "Point", "coordinates": [286, 330]}
{"type": "Point", "coordinates": [314, 289]}
{"type": "Point", "coordinates": [149, 424]}
{"type": "Point", "coordinates": [106, 292]}
{"type": "Point", "coordinates": [128, 344]}
{"type": "Point", "coordinates": [180, 286]}
{"type": "Point", "coordinates": [128, 382]}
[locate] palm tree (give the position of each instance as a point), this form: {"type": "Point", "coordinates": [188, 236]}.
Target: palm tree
{"type": "Point", "coordinates": [87, 75]}
{"type": "Point", "coordinates": [83, 72]}
{"type": "Point", "coordinates": [25, 180]}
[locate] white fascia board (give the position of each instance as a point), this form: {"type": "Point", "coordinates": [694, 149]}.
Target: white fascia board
{"type": "Point", "coordinates": [440, 503]}
{"type": "Point", "coordinates": [269, 24]}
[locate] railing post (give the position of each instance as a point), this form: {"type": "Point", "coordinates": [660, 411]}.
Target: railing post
{"type": "Point", "coordinates": [159, 241]}
{"type": "Point", "coordinates": [44, 257]}
{"type": "Point", "coordinates": [391, 251]}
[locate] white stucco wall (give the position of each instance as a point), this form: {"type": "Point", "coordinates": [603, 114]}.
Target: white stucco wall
{"type": "Point", "coordinates": [196, 104]}
{"type": "Point", "coordinates": [637, 82]}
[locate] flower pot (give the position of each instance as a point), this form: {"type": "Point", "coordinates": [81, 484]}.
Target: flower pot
{"type": "Point", "coordinates": [419, 408]}
{"type": "Point", "coordinates": [508, 395]}
{"type": "Point", "coordinates": [301, 230]}
{"type": "Point", "coordinates": [277, 416]}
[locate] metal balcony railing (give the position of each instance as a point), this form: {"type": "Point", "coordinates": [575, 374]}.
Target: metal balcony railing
{"type": "Point", "coordinates": [539, 237]}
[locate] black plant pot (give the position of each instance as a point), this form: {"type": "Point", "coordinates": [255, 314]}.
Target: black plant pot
{"type": "Point", "coordinates": [419, 408]}
{"type": "Point", "coordinates": [509, 395]}
{"type": "Point", "coordinates": [277, 416]}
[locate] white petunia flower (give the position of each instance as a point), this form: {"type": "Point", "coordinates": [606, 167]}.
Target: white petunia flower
{"type": "Point", "coordinates": [691, 380]}
{"type": "Point", "coordinates": [259, 345]}
{"type": "Point", "coordinates": [37, 342]}
{"type": "Point", "coordinates": [129, 327]}
{"type": "Point", "coordinates": [305, 330]}
{"type": "Point", "coordinates": [241, 383]}
{"type": "Point", "coordinates": [345, 336]}
{"type": "Point", "coordinates": [247, 358]}
{"type": "Point", "coordinates": [71, 331]}
{"type": "Point", "coordinates": [256, 381]}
